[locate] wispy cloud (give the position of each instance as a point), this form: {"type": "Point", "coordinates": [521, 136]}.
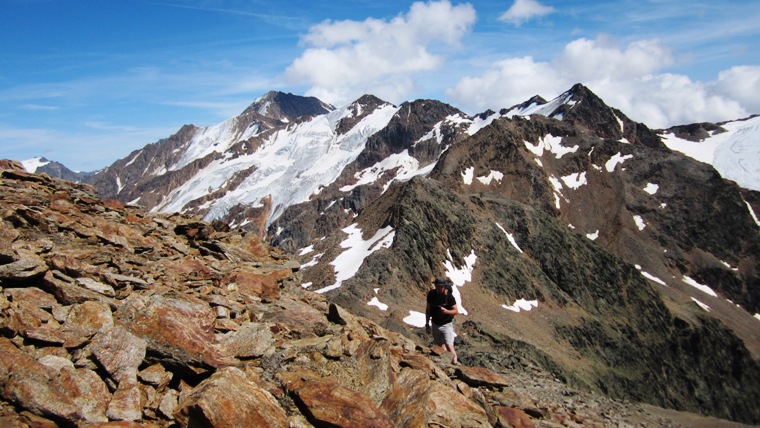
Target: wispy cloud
{"type": "Point", "coordinates": [525, 10]}
{"type": "Point", "coordinates": [39, 107]}
{"type": "Point", "coordinates": [288, 21]}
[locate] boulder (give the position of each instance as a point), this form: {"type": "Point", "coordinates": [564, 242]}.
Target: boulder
{"type": "Point", "coordinates": [228, 399]}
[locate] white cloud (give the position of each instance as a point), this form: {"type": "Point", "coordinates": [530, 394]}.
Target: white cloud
{"type": "Point", "coordinates": [345, 59]}
{"type": "Point", "coordinates": [629, 78]}
{"type": "Point", "coordinates": [585, 59]}
{"type": "Point", "coordinates": [741, 83]}
{"type": "Point", "coordinates": [508, 82]}
{"type": "Point", "coordinates": [523, 10]}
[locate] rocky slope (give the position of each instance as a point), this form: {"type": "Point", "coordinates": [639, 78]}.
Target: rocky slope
{"type": "Point", "coordinates": [577, 239]}
{"type": "Point", "coordinates": [110, 316]}
{"type": "Point", "coordinates": [640, 264]}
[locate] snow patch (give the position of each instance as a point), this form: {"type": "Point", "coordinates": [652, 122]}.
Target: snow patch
{"type": "Point", "coordinates": [376, 302]}
{"type": "Point", "coordinates": [134, 158]}
{"type": "Point", "coordinates": [700, 287]}
{"type": "Point", "coordinates": [701, 305]}
{"type": "Point", "coordinates": [467, 175]}
{"type": "Point", "coordinates": [557, 185]}
{"type": "Point", "coordinates": [551, 144]}
{"type": "Point", "coordinates": [639, 222]}
{"type": "Point", "coordinates": [493, 175]}
{"type": "Point", "coordinates": [415, 319]}
{"type": "Point", "coordinates": [479, 123]}
{"type": "Point", "coordinates": [752, 213]}
{"type": "Point", "coordinates": [545, 109]}
{"type": "Point", "coordinates": [405, 165]}
{"type": "Point", "coordinates": [522, 304]}
{"type": "Point", "coordinates": [348, 262]}
{"type": "Point", "coordinates": [651, 188]}
{"type": "Point", "coordinates": [460, 275]}
{"type": "Point", "coordinates": [620, 122]}
{"type": "Point", "coordinates": [615, 160]}
{"type": "Point", "coordinates": [313, 262]}
{"type": "Point", "coordinates": [510, 237]}
{"type": "Point", "coordinates": [575, 180]}
{"type": "Point", "coordinates": [651, 277]}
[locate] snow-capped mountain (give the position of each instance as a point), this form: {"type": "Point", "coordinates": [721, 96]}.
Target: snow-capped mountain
{"type": "Point", "coordinates": [41, 165]}
{"type": "Point", "coordinates": [577, 239]}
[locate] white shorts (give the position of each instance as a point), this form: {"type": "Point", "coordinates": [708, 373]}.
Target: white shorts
{"type": "Point", "coordinates": [443, 333]}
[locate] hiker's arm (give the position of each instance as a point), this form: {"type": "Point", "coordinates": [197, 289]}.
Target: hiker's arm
{"type": "Point", "coordinates": [453, 311]}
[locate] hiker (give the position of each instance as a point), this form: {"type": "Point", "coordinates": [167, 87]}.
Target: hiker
{"type": "Point", "coordinates": [441, 308]}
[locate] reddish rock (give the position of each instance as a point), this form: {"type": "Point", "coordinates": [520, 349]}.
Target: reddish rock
{"type": "Point", "coordinates": [228, 399]}
{"type": "Point", "coordinates": [417, 401]}
{"type": "Point", "coordinates": [250, 341]}
{"type": "Point", "coordinates": [155, 375]}
{"type": "Point", "coordinates": [33, 295]}
{"type": "Point", "coordinates": [12, 165]}
{"type": "Point", "coordinates": [33, 386]}
{"type": "Point", "coordinates": [126, 404]}
{"type": "Point", "coordinates": [254, 284]}
{"type": "Point", "coordinates": [177, 326]}
{"type": "Point", "coordinates": [87, 318]}
{"type": "Point", "coordinates": [509, 417]}
{"type": "Point", "coordinates": [480, 376]}
{"type": "Point", "coordinates": [67, 293]}
{"type": "Point", "coordinates": [327, 403]}
{"type": "Point", "coordinates": [119, 352]}
{"type": "Point", "coordinates": [27, 268]}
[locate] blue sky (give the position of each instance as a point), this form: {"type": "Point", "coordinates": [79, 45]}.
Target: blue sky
{"type": "Point", "coordinates": [85, 82]}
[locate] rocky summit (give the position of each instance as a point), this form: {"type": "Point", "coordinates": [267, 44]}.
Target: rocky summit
{"type": "Point", "coordinates": [114, 317]}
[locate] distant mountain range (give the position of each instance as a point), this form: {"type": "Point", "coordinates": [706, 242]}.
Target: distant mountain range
{"type": "Point", "coordinates": [622, 259]}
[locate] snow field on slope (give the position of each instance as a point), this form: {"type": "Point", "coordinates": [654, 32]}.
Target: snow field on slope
{"type": "Point", "coordinates": [735, 154]}
{"type": "Point", "coordinates": [290, 166]}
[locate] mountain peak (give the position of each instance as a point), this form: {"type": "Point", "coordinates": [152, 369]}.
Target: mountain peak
{"type": "Point", "coordinates": [369, 101]}
{"type": "Point", "coordinates": [286, 106]}
{"type": "Point", "coordinates": [526, 107]}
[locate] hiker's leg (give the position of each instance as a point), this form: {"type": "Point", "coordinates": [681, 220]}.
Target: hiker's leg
{"type": "Point", "coordinates": [449, 335]}
{"type": "Point", "coordinates": [438, 336]}
{"type": "Point", "coordinates": [450, 348]}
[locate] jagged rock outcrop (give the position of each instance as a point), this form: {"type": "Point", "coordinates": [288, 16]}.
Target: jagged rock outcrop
{"type": "Point", "coordinates": [287, 107]}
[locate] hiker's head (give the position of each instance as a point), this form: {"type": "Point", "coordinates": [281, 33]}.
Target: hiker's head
{"type": "Point", "coordinates": [441, 284]}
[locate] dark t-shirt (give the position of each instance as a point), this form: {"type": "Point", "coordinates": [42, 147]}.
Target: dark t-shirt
{"type": "Point", "coordinates": [436, 300]}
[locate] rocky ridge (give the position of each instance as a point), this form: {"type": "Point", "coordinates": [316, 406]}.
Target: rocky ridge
{"type": "Point", "coordinates": [598, 224]}
{"type": "Point", "coordinates": [110, 316]}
